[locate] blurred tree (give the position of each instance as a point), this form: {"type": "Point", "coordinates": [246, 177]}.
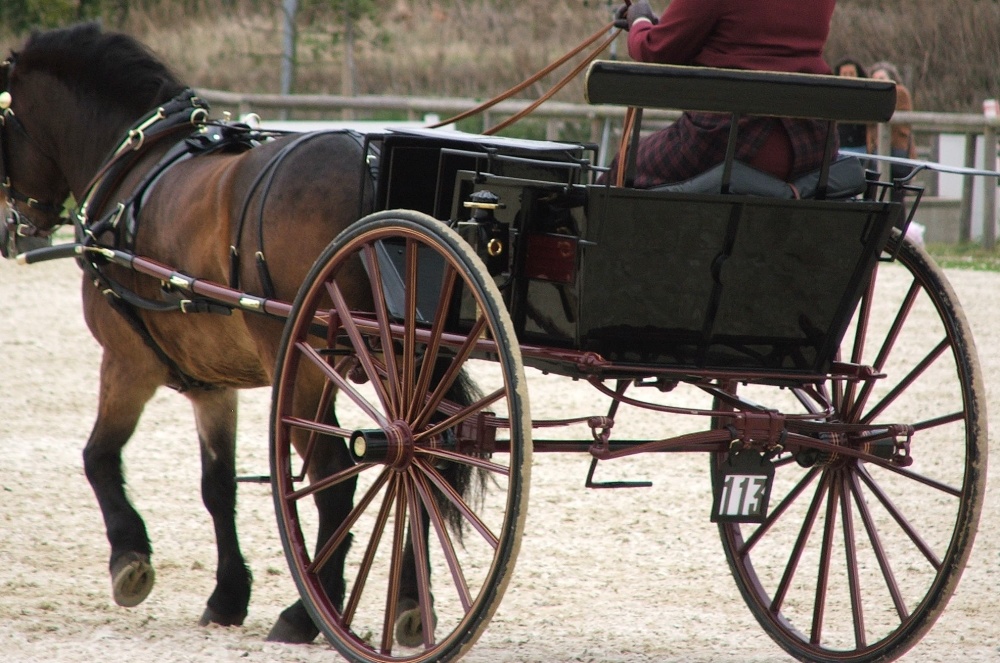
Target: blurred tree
{"type": "Point", "coordinates": [343, 17]}
{"type": "Point", "coordinates": [23, 15]}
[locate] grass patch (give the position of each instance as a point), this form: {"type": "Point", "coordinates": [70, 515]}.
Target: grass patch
{"type": "Point", "coordinates": [965, 256]}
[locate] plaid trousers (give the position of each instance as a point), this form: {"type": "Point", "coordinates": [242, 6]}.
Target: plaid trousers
{"type": "Point", "coordinates": [697, 142]}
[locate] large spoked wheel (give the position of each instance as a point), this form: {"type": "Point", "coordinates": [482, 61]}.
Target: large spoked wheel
{"type": "Point", "coordinates": [856, 560]}
{"type": "Point", "coordinates": [423, 520]}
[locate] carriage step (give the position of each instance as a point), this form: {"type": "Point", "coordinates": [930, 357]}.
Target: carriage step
{"type": "Point", "coordinates": [258, 478]}
{"type": "Point", "coordinates": [590, 483]}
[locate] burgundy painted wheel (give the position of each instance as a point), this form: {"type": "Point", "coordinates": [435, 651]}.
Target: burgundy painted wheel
{"type": "Point", "coordinates": [405, 430]}
{"type": "Point", "coordinates": [856, 561]}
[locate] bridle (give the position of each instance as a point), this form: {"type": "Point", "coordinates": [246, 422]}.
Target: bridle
{"type": "Point", "coordinates": [16, 224]}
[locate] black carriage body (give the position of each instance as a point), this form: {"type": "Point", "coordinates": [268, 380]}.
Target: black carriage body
{"type": "Point", "coordinates": [646, 279]}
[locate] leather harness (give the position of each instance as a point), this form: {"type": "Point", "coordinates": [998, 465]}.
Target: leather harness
{"type": "Point", "coordinates": [122, 220]}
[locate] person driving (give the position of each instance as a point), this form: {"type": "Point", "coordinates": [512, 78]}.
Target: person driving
{"type": "Point", "coordinates": [766, 35]}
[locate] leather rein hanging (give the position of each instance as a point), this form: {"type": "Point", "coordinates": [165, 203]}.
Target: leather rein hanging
{"type": "Point", "coordinates": [538, 76]}
{"type": "Point", "coordinates": [632, 114]}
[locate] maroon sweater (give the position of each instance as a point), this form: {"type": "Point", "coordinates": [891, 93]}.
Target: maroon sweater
{"type": "Point", "coordinates": [767, 35]}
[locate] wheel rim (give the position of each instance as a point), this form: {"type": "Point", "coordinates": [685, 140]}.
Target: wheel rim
{"type": "Point", "coordinates": [856, 561]}
{"type": "Point", "coordinates": [394, 410]}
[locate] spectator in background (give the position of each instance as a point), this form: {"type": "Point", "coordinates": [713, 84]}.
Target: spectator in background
{"type": "Point", "coordinates": [853, 137]}
{"type": "Point", "coordinates": [901, 141]}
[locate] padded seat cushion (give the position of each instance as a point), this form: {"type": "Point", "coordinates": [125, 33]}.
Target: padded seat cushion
{"type": "Point", "coordinates": [846, 180]}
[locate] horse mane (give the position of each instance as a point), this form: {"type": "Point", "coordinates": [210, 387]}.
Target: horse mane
{"type": "Point", "coordinates": [111, 66]}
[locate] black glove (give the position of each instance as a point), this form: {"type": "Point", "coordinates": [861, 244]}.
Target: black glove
{"type": "Point", "coordinates": [626, 15]}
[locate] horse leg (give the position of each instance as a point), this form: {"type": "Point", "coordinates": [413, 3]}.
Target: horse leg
{"type": "Point", "coordinates": [295, 624]}
{"type": "Point", "coordinates": [120, 404]}
{"type": "Point", "coordinates": [215, 417]}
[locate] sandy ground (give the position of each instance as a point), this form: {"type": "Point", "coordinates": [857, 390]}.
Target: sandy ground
{"type": "Point", "coordinates": [602, 575]}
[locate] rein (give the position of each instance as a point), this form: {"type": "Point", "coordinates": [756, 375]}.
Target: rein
{"type": "Point", "coordinates": [538, 76]}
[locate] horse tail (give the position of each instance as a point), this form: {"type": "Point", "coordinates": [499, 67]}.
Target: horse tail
{"type": "Point", "coordinates": [470, 483]}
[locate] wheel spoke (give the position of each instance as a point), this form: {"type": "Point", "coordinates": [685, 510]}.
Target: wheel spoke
{"type": "Point", "coordinates": [418, 540]}
{"type": "Point", "coordinates": [433, 346]}
{"type": "Point", "coordinates": [392, 388]}
{"type": "Point", "coordinates": [474, 461]}
{"type": "Point", "coordinates": [927, 481]}
{"type": "Point", "coordinates": [826, 552]}
{"type": "Point", "coordinates": [850, 549]}
{"type": "Point", "coordinates": [860, 336]}
{"type": "Point", "coordinates": [777, 512]}
{"type": "Point", "coordinates": [447, 546]}
{"type": "Point", "coordinates": [908, 380]}
{"type": "Point", "coordinates": [315, 427]}
{"type": "Point", "coordinates": [901, 520]}
{"type": "Point", "coordinates": [341, 533]}
{"type": "Point", "coordinates": [890, 342]}
{"type": "Point", "coordinates": [452, 495]}
{"type": "Point", "coordinates": [877, 547]}
{"type": "Point", "coordinates": [811, 397]}
{"type": "Point", "coordinates": [943, 420]}
{"type": "Point", "coordinates": [461, 415]}
{"type": "Point", "coordinates": [360, 349]}
{"type": "Point", "coordinates": [409, 356]}
{"type": "Point", "coordinates": [800, 544]}
{"type": "Point", "coordinates": [365, 566]}
{"type": "Point", "coordinates": [343, 384]}
{"type": "Point", "coordinates": [323, 408]}
{"type": "Point", "coordinates": [395, 569]}
{"type": "Point", "coordinates": [449, 377]}
{"type": "Point", "coordinates": [328, 482]}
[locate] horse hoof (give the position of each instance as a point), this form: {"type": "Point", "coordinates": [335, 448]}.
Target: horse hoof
{"type": "Point", "coordinates": [132, 579]}
{"type": "Point", "coordinates": [212, 617]}
{"type": "Point", "coordinates": [409, 624]}
{"type": "Point", "coordinates": [289, 633]}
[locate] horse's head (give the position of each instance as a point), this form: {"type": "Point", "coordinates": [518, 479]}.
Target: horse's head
{"type": "Point", "coordinates": [31, 185]}
{"type": "Point", "coordinates": [69, 97]}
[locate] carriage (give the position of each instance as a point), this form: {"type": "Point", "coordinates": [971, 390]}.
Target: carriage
{"type": "Point", "coordinates": [846, 506]}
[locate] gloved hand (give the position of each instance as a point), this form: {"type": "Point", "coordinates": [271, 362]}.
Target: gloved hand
{"type": "Point", "coordinates": [628, 14]}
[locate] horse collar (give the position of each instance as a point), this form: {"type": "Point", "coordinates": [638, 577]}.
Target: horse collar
{"type": "Point", "coordinates": [186, 109]}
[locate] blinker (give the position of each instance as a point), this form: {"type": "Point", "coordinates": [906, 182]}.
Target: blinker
{"type": "Point", "coordinates": [5, 100]}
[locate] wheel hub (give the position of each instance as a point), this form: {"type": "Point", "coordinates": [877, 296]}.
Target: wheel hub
{"type": "Point", "coordinates": [392, 446]}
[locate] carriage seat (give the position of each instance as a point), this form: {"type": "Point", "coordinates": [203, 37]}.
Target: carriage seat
{"type": "Point", "coordinates": [741, 93]}
{"type": "Point", "coordinates": [846, 180]}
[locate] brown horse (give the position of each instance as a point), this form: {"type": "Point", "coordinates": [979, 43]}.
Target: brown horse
{"type": "Point", "coordinates": [95, 115]}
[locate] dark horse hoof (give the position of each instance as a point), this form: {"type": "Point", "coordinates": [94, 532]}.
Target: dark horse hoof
{"type": "Point", "coordinates": [132, 579]}
{"type": "Point", "coordinates": [212, 617]}
{"type": "Point", "coordinates": [293, 628]}
{"type": "Point", "coordinates": [409, 623]}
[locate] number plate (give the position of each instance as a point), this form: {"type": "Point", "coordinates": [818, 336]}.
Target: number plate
{"type": "Point", "coordinates": [741, 487]}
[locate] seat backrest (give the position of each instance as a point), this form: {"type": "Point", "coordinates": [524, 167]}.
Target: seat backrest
{"type": "Point", "coordinates": [763, 93]}
{"type": "Point", "coordinates": [740, 93]}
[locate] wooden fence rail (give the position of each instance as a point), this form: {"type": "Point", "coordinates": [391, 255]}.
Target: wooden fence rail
{"type": "Point", "coordinates": [601, 117]}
